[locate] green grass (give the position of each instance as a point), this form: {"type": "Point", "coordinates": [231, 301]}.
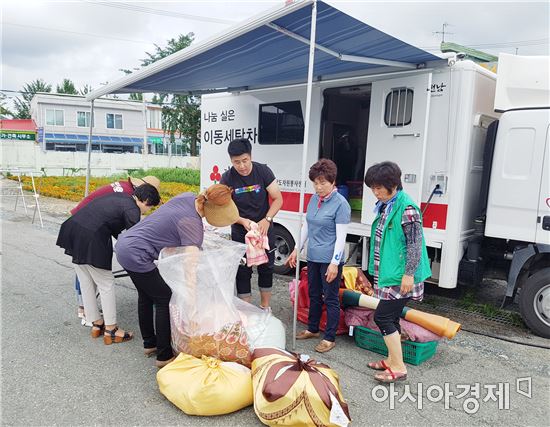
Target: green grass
{"type": "Point", "coordinates": [181, 175]}
{"type": "Point", "coordinates": [467, 302]}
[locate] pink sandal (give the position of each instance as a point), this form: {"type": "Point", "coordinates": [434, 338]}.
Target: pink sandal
{"type": "Point", "coordinates": [378, 366]}
{"type": "Point", "coordinates": [388, 376]}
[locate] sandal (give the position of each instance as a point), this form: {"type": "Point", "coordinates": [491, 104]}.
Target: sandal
{"type": "Point", "coordinates": [162, 363]}
{"type": "Point", "coordinates": [305, 335]}
{"type": "Point", "coordinates": [325, 346]}
{"type": "Point", "coordinates": [388, 376]}
{"type": "Point", "coordinates": [97, 330]}
{"type": "Point", "coordinates": [148, 352]}
{"type": "Point", "coordinates": [110, 337]}
{"type": "Point", "coordinates": [378, 366]}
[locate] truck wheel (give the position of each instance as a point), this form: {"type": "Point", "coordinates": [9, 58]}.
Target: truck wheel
{"type": "Point", "coordinates": [284, 245]}
{"type": "Point", "coordinates": [534, 302]}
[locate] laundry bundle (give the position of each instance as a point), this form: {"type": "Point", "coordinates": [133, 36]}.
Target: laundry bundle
{"type": "Point", "coordinates": [228, 342]}
{"type": "Point", "coordinates": [206, 318]}
{"type": "Point", "coordinates": [294, 390]}
{"type": "Point", "coordinates": [205, 386]}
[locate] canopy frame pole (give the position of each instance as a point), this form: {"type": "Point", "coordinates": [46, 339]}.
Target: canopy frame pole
{"type": "Point", "coordinates": [341, 56]}
{"type": "Point", "coordinates": [89, 149]}
{"type": "Point", "coordinates": [304, 160]}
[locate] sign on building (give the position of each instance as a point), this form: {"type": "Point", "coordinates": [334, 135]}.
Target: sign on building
{"type": "Point", "coordinates": [19, 135]}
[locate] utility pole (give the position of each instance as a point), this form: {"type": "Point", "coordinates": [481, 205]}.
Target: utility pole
{"type": "Point", "coordinates": [443, 31]}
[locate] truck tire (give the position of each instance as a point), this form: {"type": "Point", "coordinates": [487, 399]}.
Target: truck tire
{"type": "Point", "coordinates": [534, 302]}
{"type": "Point", "coordinates": [284, 245]}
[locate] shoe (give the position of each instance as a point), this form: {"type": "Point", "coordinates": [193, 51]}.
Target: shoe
{"type": "Point", "coordinates": [266, 309]}
{"type": "Point", "coordinates": [97, 330]}
{"type": "Point", "coordinates": [305, 335]}
{"type": "Point", "coordinates": [162, 363]}
{"type": "Point", "coordinates": [148, 352]}
{"type": "Point", "coordinates": [83, 322]}
{"type": "Point", "coordinates": [388, 376]}
{"type": "Point", "coordinates": [110, 337]}
{"type": "Point", "coordinates": [324, 346]}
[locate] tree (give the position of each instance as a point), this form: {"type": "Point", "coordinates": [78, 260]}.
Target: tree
{"type": "Point", "coordinates": [172, 46]}
{"type": "Point", "coordinates": [180, 113]}
{"type": "Point", "coordinates": [68, 87]}
{"type": "Point", "coordinates": [136, 97]}
{"type": "Point", "coordinates": [23, 106]}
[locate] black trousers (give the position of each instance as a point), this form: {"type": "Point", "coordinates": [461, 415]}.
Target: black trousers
{"type": "Point", "coordinates": [265, 271]}
{"type": "Point", "coordinates": [322, 292]}
{"type": "Point", "coordinates": [154, 296]}
{"type": "Point", "coordinates": [388, 314]}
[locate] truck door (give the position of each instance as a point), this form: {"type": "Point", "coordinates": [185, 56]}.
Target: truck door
{"type": "Point", "coordinates": [516, 202]}
{"type": "Point", "coordinates": [543, 226]}
{"type": "Point", "coordinates": [397, 132]}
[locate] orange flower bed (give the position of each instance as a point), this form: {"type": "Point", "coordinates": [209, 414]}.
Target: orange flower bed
{"type": "Point", "coordinates": [72, 188]}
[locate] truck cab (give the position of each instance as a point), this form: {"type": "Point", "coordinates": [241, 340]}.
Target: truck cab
{"type": "Point", "coordinates": [514, 209]}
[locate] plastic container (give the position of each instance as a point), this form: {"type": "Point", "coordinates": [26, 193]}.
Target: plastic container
{"type": "Point", "coordinates": [355, 189]}
{"type": "Point", "coordinates": [413, 352]}
{"type": "Point", "coordinates": [356, 203]}
{"type": "Point", "coordinates": [343, 190]}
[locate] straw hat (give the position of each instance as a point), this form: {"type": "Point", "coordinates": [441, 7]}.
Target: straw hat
{"type": "Point", "coordinates": [152, 180]}
{"type": "Point", "coordinates": [220, 215]}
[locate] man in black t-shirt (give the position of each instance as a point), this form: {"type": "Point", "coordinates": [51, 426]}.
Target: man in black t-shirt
{"type": "Point", "coordinates": [253, 184]}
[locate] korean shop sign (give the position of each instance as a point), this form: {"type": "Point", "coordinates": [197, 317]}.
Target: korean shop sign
{"type": "Point", "coordinates": [17, 135]}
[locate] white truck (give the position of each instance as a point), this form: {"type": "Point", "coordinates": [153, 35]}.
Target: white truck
{"type": "Point", "coordinates": [474, 151]}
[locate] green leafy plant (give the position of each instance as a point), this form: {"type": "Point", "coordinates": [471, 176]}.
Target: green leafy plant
{"type": "Point", "coordinates": [181, 175]}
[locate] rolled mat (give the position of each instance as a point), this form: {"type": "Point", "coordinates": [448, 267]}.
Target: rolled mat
{"type": "Point", "coordinates": [439, 325]}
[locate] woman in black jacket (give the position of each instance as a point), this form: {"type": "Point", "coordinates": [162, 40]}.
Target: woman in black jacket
{"type": "Point", "coordinates": [87, 238]}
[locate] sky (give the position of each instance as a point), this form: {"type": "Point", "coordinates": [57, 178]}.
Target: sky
{"type": "Point", "coordinates": [89, 41]}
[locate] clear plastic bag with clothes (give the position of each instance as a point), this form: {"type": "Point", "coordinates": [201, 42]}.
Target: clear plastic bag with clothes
{"type": "Point", "coordinates": [263, 329]}
{"type": "Point", "coordinates": [203, 316]}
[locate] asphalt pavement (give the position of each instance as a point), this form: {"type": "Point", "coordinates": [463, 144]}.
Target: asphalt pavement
{"type": "Point", "coordinates": [53, 373]}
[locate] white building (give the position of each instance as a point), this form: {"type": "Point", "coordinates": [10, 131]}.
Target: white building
{"type": "Point", "coordinates": [120, 126]}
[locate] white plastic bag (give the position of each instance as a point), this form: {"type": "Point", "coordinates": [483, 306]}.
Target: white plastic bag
{"type": "Point", "coordinates": [203, 316]}
{"type": "Point", "coordinates": [264, 329]}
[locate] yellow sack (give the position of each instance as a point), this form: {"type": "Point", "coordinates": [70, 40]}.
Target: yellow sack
{"type": "Point", "coordinates": [205, 386]}
{"type": "Point", "coordinates": [355, 280]}
{"type": "Point", "coordinates": [350, 277]}
{"type": "Point", "coordinates": [294, 390]}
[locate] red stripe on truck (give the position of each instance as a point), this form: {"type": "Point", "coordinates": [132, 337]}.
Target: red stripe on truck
{"type": "Point", "coordinates": [435, 216]}
{"type": "Point", "coordinates": [291, 201]}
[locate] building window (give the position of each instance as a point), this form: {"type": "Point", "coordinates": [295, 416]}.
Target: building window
{"type": "Point", "coordinates": [83, 119]}
{"type": "Point", "coordinates": [114, 121]}
{"type": "Point", "coordinates": [398, 111]}
{"type": "Point", "coordinates": [154, 119]}
{"type": "Point", "coordinates": [281, 123]}
{"type": "Point", "coordinates": [55, 117]}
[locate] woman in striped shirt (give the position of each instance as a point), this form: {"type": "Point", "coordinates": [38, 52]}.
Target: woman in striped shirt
{"type": "Point", "coordinates": [398, 260]}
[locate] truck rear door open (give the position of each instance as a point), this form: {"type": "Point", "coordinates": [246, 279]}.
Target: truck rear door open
{"type": "Point", "coordinates": [398, 127]}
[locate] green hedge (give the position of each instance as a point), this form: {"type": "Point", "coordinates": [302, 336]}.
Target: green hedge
{"type": "Point", "coordinates": [184, 176]}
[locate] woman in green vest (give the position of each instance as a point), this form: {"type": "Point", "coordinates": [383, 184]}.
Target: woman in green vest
{"type": "Point", "coordinates": [398, 261]}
